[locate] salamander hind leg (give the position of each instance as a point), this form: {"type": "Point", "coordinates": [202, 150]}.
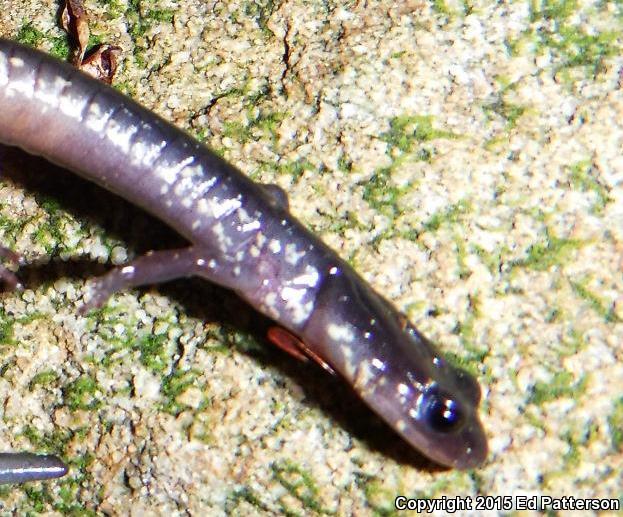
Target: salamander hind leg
{"type": "Point", "coordinates": [8, 278]}
{"type": "Point", "coordinates": [151, 268]}
{"type": "Point", "coordinates": [161, 266]}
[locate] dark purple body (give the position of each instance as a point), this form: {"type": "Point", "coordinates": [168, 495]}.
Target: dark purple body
{"type": "Point", "coordinates": [244, 238]}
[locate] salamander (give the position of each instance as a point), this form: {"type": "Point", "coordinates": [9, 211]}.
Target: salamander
{"type": "Point", "coordinates": [244, 238]}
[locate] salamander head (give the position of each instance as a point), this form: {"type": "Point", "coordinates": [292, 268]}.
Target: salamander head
{"type": "Point", "coordinates": [444, 425]}
{"type": "Point", "coordinates": [397, 371]}
{"type": "Point", "coordinates": [431, 404]}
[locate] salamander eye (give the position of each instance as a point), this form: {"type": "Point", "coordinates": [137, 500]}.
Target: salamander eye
{"type": "Point", "coordinates": [443, 413]}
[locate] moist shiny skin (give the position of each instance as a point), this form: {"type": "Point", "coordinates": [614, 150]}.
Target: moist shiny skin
{"type": "Point", "coordinates": [243, 238]}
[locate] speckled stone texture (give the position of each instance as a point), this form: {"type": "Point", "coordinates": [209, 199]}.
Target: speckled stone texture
{"type": "Point", "coordinates": [464, 157]}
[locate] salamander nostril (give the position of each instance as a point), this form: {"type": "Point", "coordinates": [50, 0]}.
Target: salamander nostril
{"type": "Point", "coordinates": [468, 385]}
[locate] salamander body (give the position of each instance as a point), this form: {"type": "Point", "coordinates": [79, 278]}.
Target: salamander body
{"type": "Point", "coordinates": [244, 238]}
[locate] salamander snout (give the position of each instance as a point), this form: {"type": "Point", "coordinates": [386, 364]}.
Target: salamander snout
{"type": "Point", "coordinates": [468, 385]}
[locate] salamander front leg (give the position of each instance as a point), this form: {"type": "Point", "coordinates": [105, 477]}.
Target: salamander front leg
{"type": "Point", "coordinates": [155, 267]}
{"type": "Point", "coordinates": [19, 467]}
{"type": "Point", "coordinates": [291, 344]}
